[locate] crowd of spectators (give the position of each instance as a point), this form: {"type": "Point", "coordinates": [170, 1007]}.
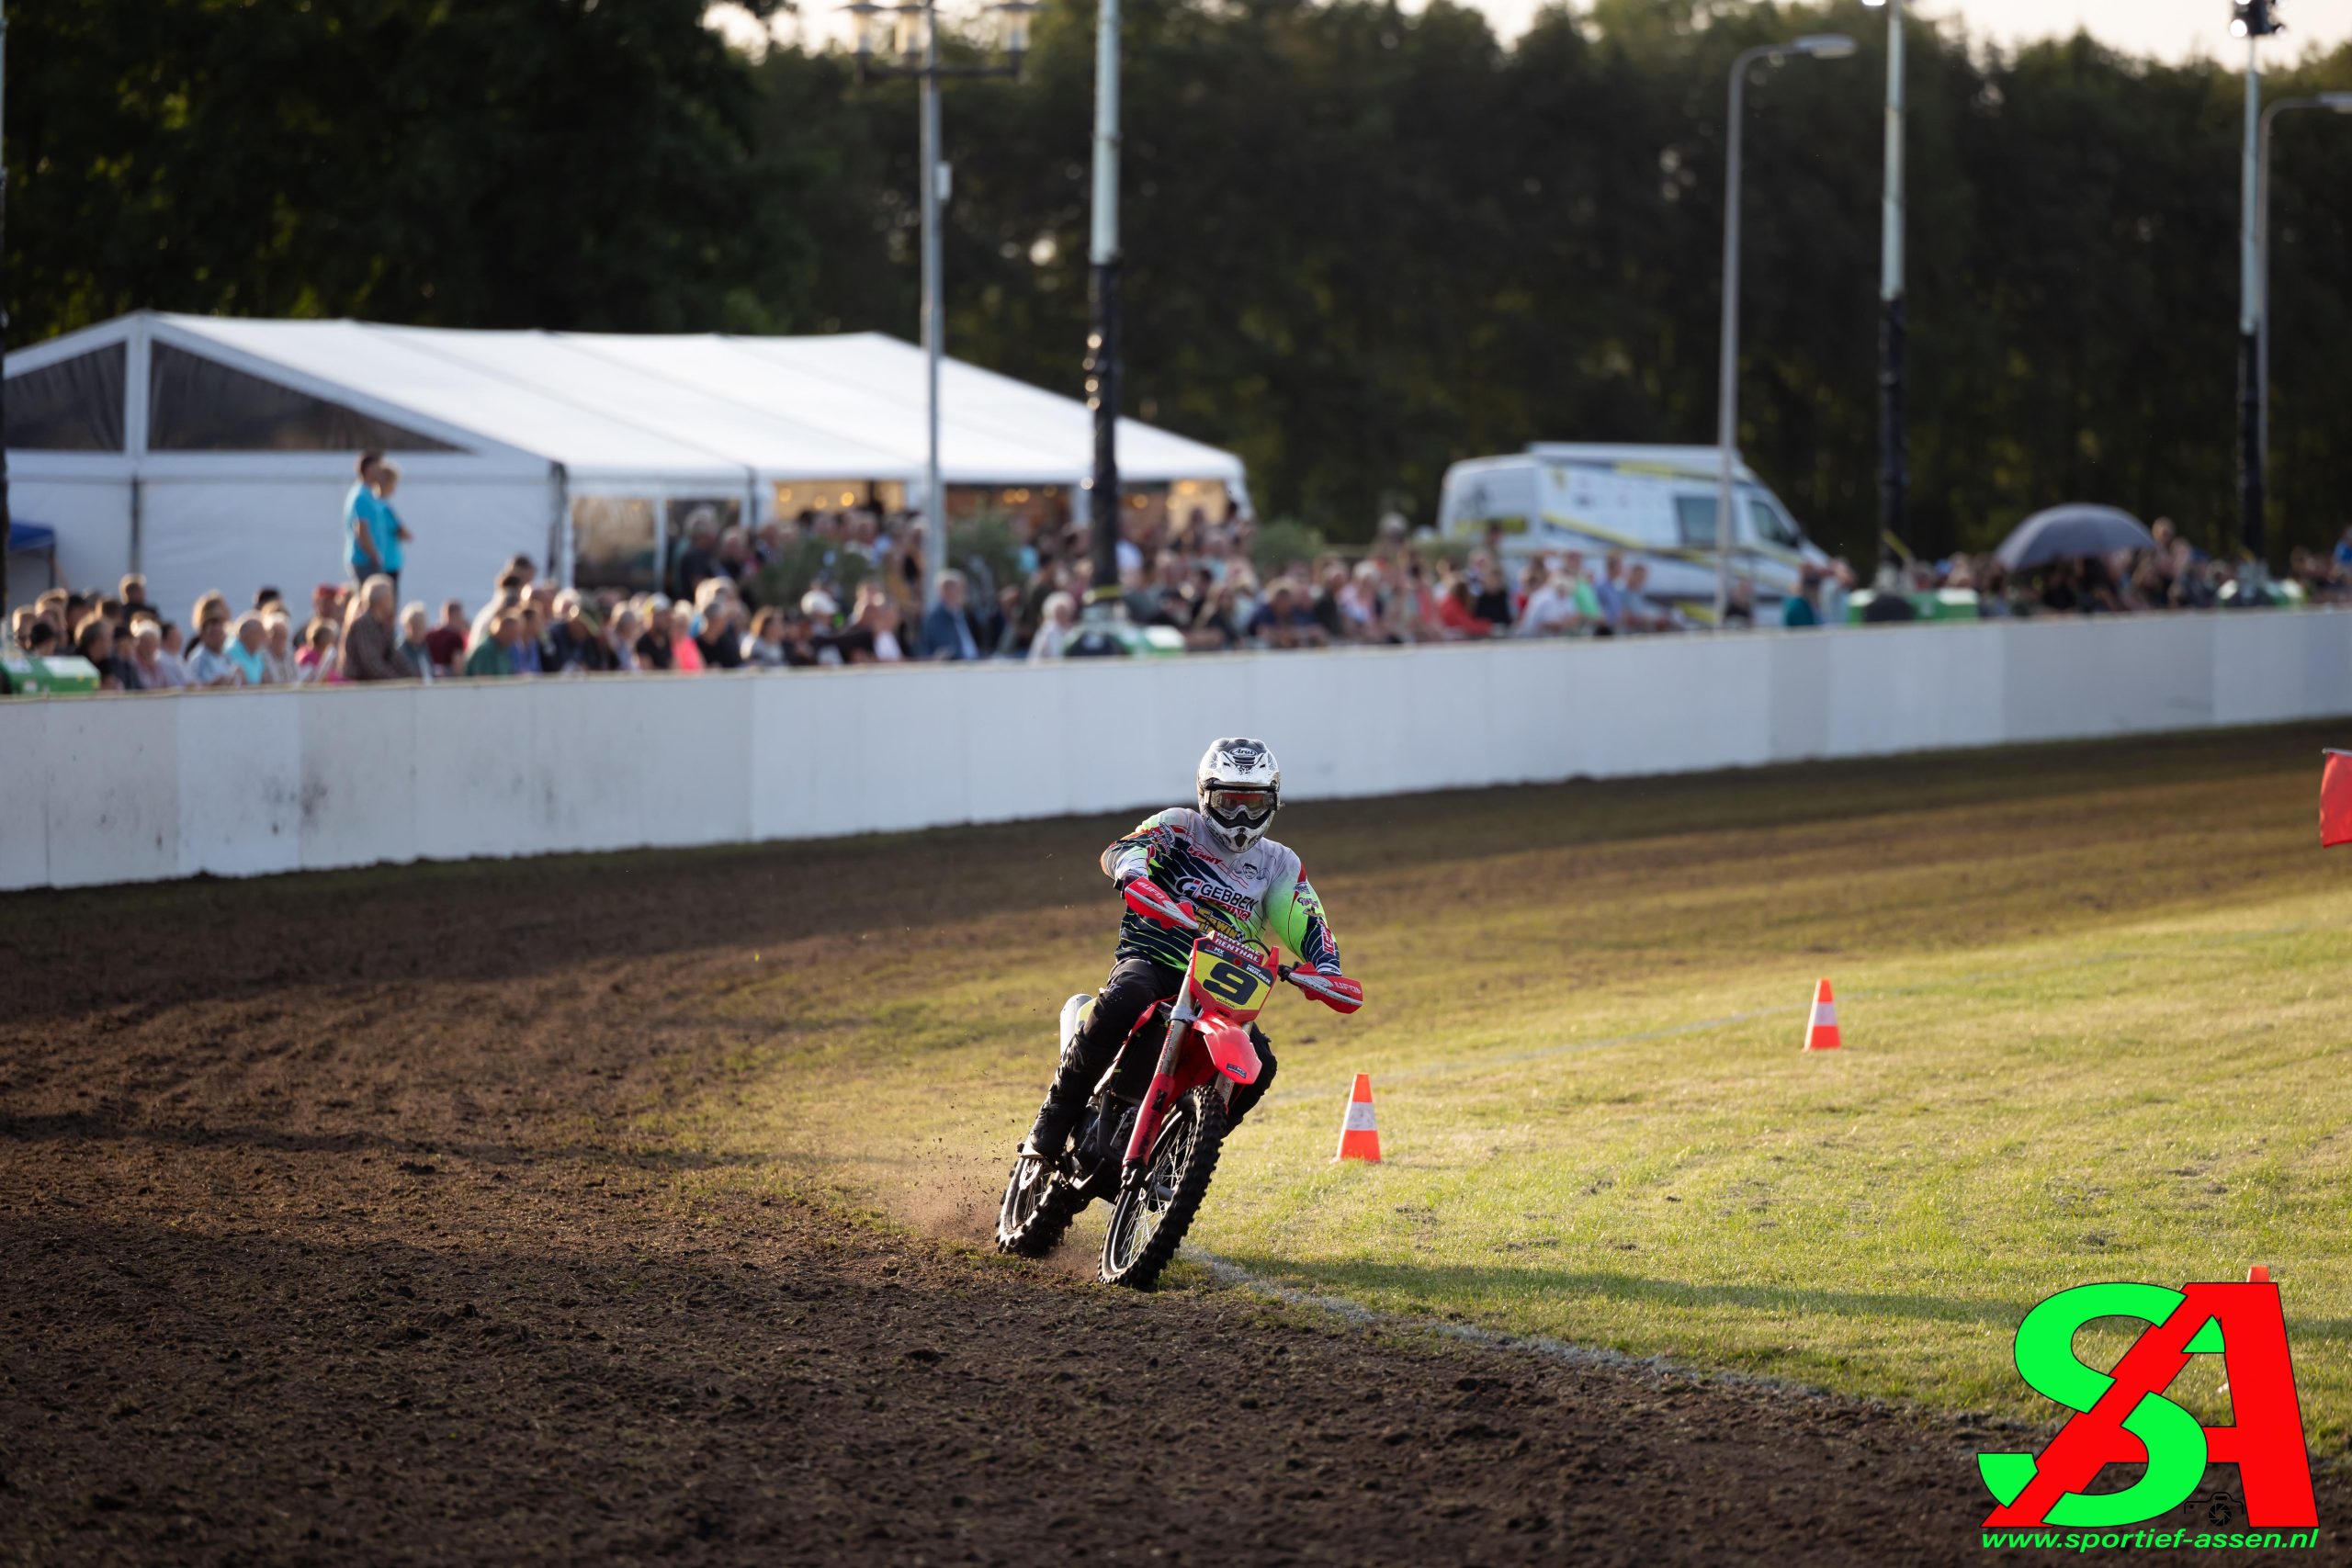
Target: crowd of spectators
{"type": "Point", "coordinates": [2169, 574]}
{"type": "Point", "coordinates": [854, 595]}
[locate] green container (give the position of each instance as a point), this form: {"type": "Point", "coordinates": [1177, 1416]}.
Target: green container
{"type": "Point", "coordinates": [1944, 605]}
{"type": "Point", "coordinates": [29, 677]}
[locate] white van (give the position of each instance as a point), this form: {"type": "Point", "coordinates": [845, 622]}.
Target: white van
{"type": "Point", "coordinates": [1654, 504]}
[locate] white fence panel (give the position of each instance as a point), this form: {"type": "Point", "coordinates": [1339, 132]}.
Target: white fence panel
{"type": "Point", "coordinates": [24, 796]}
{"type": "Point", "coordinates": [241, 784]}
{"type": "Point", "coordinates": [110, 802]}
{"type": "Point", "coordinates": [360, 785]}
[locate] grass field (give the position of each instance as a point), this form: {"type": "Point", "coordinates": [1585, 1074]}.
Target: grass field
{"type": "Point", "coordinates": [2092, 1000]}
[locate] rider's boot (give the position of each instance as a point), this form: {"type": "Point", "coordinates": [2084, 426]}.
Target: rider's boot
{"type": "Point", "coordinates": [1051, 1130]}
{"type": "Point", "coordinates": [1066, 1099]}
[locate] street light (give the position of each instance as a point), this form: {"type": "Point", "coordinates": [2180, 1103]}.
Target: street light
{"type": "Point", "coordinates": [1106, 600]}
{"type": "Point", "coordinates": [911, 34]}
{"type": "Point", "coordinates": [1818, 46]}
{"type": "Point", "coordinates": [1894, 466]}
{"type": "Point", "coordinates": [2252, 20]}
{"type": "Point", "coordinates": [2341, 103]}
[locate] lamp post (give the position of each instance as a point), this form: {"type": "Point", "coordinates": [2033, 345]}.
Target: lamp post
{"type": "Point", "coordinates": [1818, 46]}
{"type": "Point", "coordinates": [2253, 21]}
{"type": "Point", "coordinates": [2341, 104]}
{"type": "Point", "coordinates": [6, 524]}
{"type": "Point", "coordinates": [1104, 603]}
{"type": "Point", "coordinates": [1893, 457]}
{"type": "Point", "coordinates": [914, 40]}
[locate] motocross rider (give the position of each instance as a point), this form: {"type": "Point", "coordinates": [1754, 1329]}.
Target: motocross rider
{"type": "Point", "coordinates": [1217, 864]}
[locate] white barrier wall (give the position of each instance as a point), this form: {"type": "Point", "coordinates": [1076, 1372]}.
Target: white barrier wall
{"type": "Point", "coordinates": [137, 789]}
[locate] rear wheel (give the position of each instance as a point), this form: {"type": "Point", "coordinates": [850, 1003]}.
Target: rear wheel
{"type": "Point", "coordinates": [1157, 1207]}
{"type": "Point", "coordinates": [1037, 1208]}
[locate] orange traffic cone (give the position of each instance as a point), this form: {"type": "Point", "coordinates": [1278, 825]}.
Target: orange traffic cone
{"type": "Point", "coordinates": [1359, 1139]}
{"type": "Point", "coordinates": [1820, 1028]}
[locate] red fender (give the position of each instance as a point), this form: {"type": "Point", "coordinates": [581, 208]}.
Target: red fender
{"type": "Point", "coordinates": [1231, 1050]}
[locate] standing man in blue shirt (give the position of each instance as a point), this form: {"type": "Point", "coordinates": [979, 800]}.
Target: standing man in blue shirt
{"type": "Point", "coordinates": [371, 535]}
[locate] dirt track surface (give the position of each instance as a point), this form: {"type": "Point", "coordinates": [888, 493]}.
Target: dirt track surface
{"type": "Point", "coordinates": [329, 1231]}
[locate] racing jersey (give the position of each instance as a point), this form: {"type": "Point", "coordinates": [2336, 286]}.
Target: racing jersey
{"type": "Point", "coordinates": [1261, 895]}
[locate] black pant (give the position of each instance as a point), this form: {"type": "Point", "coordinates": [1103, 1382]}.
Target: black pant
{"type": "Point", "coordinates": [1134, 986]}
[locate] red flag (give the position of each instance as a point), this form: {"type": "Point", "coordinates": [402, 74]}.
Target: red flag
{"type": "Point", "coordinates": [2336, 800]}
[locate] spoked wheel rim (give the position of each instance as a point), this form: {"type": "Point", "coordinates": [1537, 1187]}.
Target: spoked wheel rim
{"type": "Point", "coordinates": [1024, 1193]}
{"type": "Point", "coordinates": [1141, 1220]}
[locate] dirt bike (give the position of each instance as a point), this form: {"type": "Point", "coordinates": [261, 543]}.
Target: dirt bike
{"type": "Point", "coordinates": [1148, 1145]}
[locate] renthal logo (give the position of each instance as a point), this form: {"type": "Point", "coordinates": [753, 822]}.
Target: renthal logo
{"type": "Point", "coordinates": [1197, 889]}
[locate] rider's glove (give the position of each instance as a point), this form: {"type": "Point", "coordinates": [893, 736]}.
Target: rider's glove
{"type": "Point", "coordinates": [1334, 990]}
{"type": "Point", "coordinates": [1150, 900]}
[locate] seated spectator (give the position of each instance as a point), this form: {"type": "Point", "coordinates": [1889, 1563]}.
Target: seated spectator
{"type": "Point", "coordinates": [1363, 604]}
{"type": "Point", "coordinates": [277, 652]}
{"type": "Point", "coordinates": [250, 652]}
{"type": "Point", "coordinates": [763, 644]}
{"type": "Point", "coordinates": [802, 647]}
{"type": "Point", "coordinates": [1282, 620]}
{"type": "Point", "coordinates": [413, 631]}
{"type": "Point", "coordinates": [951, 631]}
{"type": "Point", "coordinates": [158, 671]}
{"type": "Point", "coordinates": [871, 636]}
{"type": "Point", "coordinates": [1798, 610]}
{"type": "Point", "coordinates": [1327, 607]}
{"type": "Point", "coordinates": [446, 642]}
{"type": "Point", "coordinates": [132, 591]}
{"type": "Point", "coordinates": [719, 641]}
{"type": "Point", "coordinates": [1608, 590]}
{"type": "Point", "coordinates": [575, 641]}
{"type": "Point", "coordinates": [95, 642]}
{"type": "Point", "coordinates": [1455, 612]}
{"type": "Point", "coordinates": [210, 665]}
{"type": "Point", "coordinates": [512, 583]}
{"type": "Point", "coordinates": [1489, 590]}
{"type": "Point", "coordinates": [1059, 629]}
{"type": "Point", "coordinates": [528, 651]}
{"type": "Point", "coordinates": [316, 663]}
{"type": "Point", "coordinates": [1641, 613]}
{"type": "Point", "coordinates": [1552, 608]}
{"type": "Point", "coordinates": [625, 629]}
{"type": "Point", "coordinates": [372, 639]}
{"type": "Point", "coordinates": [653, 642]}
{"type": "Point", "coordinates": [685, 654]}
{"type": "Point", "coordinates": [329, 601]}
{"type": "Point", "coordinates": [493, 656]}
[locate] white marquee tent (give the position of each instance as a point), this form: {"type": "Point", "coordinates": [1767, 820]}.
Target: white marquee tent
{"type": "Point", "coordinates": [214, 452]}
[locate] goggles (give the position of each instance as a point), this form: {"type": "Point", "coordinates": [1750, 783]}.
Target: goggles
{"type": "Point", "coordinates": [1240, 805]}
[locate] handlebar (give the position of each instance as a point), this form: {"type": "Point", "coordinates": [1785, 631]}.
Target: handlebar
{"type": "Point", "coordinates": [1151, 901]}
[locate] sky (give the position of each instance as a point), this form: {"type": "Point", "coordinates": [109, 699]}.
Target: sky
{"type": "Point", "coordinates": [2171, 29]}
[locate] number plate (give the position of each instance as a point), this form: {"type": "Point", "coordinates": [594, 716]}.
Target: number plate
{"type": "Point", "coordinates": [1230, 976]}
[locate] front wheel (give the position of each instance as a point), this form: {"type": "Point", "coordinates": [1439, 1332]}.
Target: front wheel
{"type": "Point", "coordinates": [1038, 1207]}
{"type": "Point", "coordinates": [1155, 1207]}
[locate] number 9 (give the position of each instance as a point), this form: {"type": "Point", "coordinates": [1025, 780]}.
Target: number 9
{"type": "Point", "coordinates": [1231, 983]}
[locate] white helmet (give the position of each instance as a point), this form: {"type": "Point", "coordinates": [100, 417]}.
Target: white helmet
{"type": "Point", "coordinates": [1237, 787]}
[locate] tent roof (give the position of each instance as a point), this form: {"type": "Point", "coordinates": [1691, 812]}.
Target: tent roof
{"type": "Point", "coordinates": [710, 409]}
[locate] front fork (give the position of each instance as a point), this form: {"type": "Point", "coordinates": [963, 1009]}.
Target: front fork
{"type": "Point", "coordinates": [1162, 1090]}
